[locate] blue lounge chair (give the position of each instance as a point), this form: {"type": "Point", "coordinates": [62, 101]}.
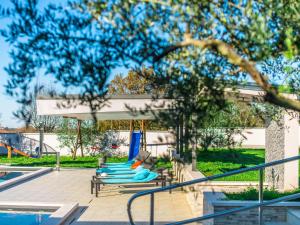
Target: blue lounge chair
{"type": "Point", "coordinates": [143, 177]}
{"type": "Point", "coordinates": [124, 176]}
{"type": "Point", "coordinates": [118, 171]}
{"type": "Point", "coordinates": [143, 156]}
{"type": "Point", "coordinates": [151, 176]}
{"type": "Point", "coordinates": [120, 164]}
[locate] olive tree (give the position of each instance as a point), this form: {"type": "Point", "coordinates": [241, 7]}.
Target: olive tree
{"type": "Point", "coordinates": [28, 112]}
{"type": "Point", "coordinates": [68, 135]}
{"type": "Point", "coordinates": [196, 49]}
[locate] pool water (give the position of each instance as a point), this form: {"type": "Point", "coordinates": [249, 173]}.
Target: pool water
{"type": "Point", "coordinates": [10, 175]}
{"type": "Point", "coordinates": [23, 218]}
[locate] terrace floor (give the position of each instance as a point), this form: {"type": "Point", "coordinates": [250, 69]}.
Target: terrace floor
{"type": "Point", "coordinates": [109, 208]}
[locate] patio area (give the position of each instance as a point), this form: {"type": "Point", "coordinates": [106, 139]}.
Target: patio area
{"type": "Point", "coordinates": [109, 208]}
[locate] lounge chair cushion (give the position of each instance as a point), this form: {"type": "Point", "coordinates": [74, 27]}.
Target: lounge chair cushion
{"type": "Point", "coordinates": [123, 176]}
{"type": "Point", "coordinates": [141, 175]}
{"type": "Point", "coordinates": [151, 176]}
{"type": "Point", "coordinates": [139, 168]}
{"type": "Point", "coordinates": [120, 171]}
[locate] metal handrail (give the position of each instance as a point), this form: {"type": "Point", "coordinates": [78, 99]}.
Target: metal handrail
{"type": "Point", "coordinates": [240, 209]}
{"type": "Point", "coordinates": [260, 167]}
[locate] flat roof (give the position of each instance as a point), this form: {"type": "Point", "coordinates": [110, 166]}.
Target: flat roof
{"type": "Point", "coordinates": [130, 107]}
{"type": "Point", "coordinates": [138, 107]}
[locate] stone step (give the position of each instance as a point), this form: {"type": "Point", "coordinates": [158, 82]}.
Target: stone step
{"type": "Point", "coordinates": [293, 216]}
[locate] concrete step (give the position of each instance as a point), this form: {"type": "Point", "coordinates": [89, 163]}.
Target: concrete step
{"type": "Point", "coordinates": [293, 216]}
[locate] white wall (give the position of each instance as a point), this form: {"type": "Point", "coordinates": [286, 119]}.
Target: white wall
{"type": "Point", "coordinates": [252, 138]}
{"type": "Point", "coordinates": [51, 140]}
{"type": "Point", "coordinates": [160, 137]}
{"type": "Point", "coordinates": [255, 138]}
{"type": "Point", "coordinates": [153, 137]}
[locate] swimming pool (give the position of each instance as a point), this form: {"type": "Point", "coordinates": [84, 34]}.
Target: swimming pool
{"type": "Point", "coordinates": [16, 175]}
{"type": "Point", "coordinates": [24, 218]}
{"type": "Point", "coordinates": [34, 213]}
{"type": "Point", "coordinates": [10, 175]}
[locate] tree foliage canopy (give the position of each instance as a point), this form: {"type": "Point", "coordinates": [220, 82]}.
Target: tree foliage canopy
{"type": "Point", "coordinates": [133, 83]}
{"type": "Point", "coordinates": [80, 43]}
{"type": "Point", "coordinates": [195, 48]}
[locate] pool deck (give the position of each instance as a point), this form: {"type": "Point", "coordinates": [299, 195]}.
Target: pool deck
{"type": "Point", "coordinates": [68, 186]}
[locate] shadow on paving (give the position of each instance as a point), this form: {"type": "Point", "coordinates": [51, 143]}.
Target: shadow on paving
{"type": "Point", "coordinates": [142, 185]}
{"type": "Point", "coordinates": [117, 223]}
{"type": "Point", "coordinates": [127, 189]}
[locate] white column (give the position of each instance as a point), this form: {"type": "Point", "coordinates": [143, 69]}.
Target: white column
{"type": "Point", "coordinates": [282, 142]}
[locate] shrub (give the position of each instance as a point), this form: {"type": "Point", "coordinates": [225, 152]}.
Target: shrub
{"type": "Point", "coordinates": [251, 194]}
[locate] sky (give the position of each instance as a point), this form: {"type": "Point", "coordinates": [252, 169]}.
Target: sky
{"type": "Point", "coordinates": [8, 105]}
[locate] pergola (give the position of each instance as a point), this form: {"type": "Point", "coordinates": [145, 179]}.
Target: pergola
{"type": "Point", "coordinates": [281, 138]}
{"type": "Point", "coordinates": [118, 107]}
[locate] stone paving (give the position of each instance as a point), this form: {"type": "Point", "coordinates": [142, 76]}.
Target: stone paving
{"type": "Point", "coordinates": [109, 208]}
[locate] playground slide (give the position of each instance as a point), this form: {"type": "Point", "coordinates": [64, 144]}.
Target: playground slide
{"type": "Point", "coordinates": [134, 147]}
{"type": "Point", "coordinates": [20, 152]}
{"type": "Point", "coordinates": [14, 150]}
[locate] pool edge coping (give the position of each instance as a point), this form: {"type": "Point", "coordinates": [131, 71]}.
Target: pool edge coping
{"type": "Point", "coordinates": [62, 210]}
{"type": "Point", "coordinates": [35, 173]}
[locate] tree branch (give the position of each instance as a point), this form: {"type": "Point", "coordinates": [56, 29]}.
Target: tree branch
{"type": "Point", "coordinates": [272, 95]}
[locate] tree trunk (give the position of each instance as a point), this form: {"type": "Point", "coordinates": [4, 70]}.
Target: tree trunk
{"type": "Point", "coordinates": [194, 157]}
{"type": "Point", "coordinates": [74, 153]}
{"type": "Point", "coordinates": [186, 134]}
{"type": "Point", "coordinates": [181, 135]}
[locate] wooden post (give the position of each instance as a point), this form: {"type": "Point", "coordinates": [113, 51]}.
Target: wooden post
{"type": "Point", "coordinates": [144, 144]}
{"type": "Point", "coordinates": [9, 150]}
{"type": "Point", "coordinates": [177, 138]}
{"type": "Point", "coordinates": [41, 142]}
{"type": "Point", "coordinates": [142, 129]}
{"type": "Point", "coordinates": [180, 135]}
{"type": "Point", "coordinates": [186, 134]}
{"type": "Point", "coordinates": [131, 128]}
{"type": "Point", "coordinates": [78, 139]}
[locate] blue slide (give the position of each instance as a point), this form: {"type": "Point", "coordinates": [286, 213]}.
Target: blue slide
{"type": "Point", "coordinates": [134, 147]}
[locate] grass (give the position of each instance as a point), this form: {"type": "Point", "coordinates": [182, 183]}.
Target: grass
{"type": "Point", "coordinates": [251, 194]}
{"type": "Point", "coordinates": [67, 161]}
{"type": "Point", "coordinates": [219, 161]}
{"type": "Point", "coordinates": [50, 161]}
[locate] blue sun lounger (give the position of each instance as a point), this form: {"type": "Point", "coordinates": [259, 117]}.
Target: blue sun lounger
{"type": "Point", "coordinates": [143, 177]}
{"type": "Point", "coordinates": [118, 171]}
{"type": "Point", "coordinates": [143, 156]}
{"type": "Point", "coordinates": [151, 176]}
{"type": "Point", "coordinates": [124, 176]}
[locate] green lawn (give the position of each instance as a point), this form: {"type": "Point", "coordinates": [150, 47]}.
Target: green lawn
{"type": "Point", "coordinates": [220, 161]}
{"type": "Point", "coordinates": [212, 162]}
{"type": "Point", "coordinates": [50, 161]}
{"type": "Point", "coordinates": [67, 161]}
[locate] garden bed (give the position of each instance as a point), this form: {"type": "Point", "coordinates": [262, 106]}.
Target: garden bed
{"type": "Point", "coordinates": [251, 194]}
